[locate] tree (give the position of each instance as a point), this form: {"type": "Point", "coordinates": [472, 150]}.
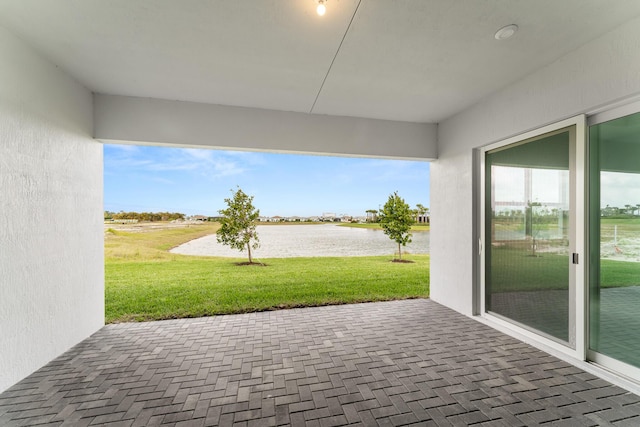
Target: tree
{"type": "Point", "coordinates": [238, 223]}
{"type": "Point", "coordinates": [533, 220]}
{"type": "Point", "coordinates": [396, 219]}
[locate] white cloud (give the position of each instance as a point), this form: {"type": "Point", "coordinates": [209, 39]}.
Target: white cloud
{"type": "Point", "coordinates": [618, 189]}
{"type": "Point", "coordinates": [546, 185]}
{"type": "Point", "coordinates": [207, 164]}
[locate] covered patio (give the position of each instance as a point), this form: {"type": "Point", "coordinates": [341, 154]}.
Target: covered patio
{"type": "Point", "coordinates": [411, 362]}
{"type": "Point", "coordinates": [427, 80]}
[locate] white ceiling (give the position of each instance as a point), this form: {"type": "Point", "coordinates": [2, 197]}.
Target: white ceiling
{"type": "Point", "coordinates": [408, 60]}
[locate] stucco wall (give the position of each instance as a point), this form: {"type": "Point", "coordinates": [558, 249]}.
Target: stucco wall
{"type": "Point", "coordinates": [601, 72]}
{"type": "Point", "coordinates": [51, 255]}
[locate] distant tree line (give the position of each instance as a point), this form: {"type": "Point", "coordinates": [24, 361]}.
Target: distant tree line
{"type": "Point", "coordinates": [542, 214]}
{"type": "Point", "coordinates": [143, 216]}
{"type": "Point", "coordinates": [628, 211]}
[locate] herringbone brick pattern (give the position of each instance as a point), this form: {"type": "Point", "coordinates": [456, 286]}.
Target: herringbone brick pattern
{"type": "Point", "coordinates": [394, 363]}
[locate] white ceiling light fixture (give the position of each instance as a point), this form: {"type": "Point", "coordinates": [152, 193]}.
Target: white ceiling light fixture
{"type": "Point", "coordinates": [321, 9]}
{"type": "Point", "coordinates": [506, 32]}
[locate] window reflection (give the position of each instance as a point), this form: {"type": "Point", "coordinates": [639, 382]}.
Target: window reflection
{"type": "Point", "coordinates": [527, 261]}
{"type": "Point", "coordinates": [614, 294]}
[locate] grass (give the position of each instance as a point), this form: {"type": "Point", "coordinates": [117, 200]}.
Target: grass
{"type": "Point", "coordinates": [516, 270]}
{"type": "Point", "coordinates": [621, 221]}
{"type": "Point", "coordinates": [376, 226]}
{"type": "Point", "coordinates": [627, 228]}
{"type": "Point", "coordinates": [616, 274]}
{"type": "Point", "coordinates": [145, 243]}
{"type": "Point", "coordinates": [146, 282]}
{"type": "Point", "coordinates": [190, 287]}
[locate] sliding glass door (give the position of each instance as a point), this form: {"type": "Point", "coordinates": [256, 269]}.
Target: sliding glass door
{"type": "Point", "coordinates": [614, 242]}
{"type": "Point", "coordinates": [541, 199]}
{"type": "Point", "coordinates": [529, 234]}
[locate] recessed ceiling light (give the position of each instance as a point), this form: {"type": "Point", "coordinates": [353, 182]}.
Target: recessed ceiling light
{"type": "Point", "coordinates": [506, 32]}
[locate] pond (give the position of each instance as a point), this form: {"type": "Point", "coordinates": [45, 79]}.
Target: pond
{"type": "Point", "coordinates": [323, 240]}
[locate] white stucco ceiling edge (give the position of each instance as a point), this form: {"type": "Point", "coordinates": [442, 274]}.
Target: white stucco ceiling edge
{"type": "Point", "coordinates": [144, 121]}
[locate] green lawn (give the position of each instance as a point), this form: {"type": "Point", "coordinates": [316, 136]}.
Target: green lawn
{"type": "Point", "coordinates": [197, 286]}
{"type": "Point", "coordinates": [143, 281]}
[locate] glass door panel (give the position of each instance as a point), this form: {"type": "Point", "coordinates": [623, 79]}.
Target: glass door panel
{"type": "Point", "coordinates": [528, 215]}
{"type": "Point", "coordinates": [614, 239]}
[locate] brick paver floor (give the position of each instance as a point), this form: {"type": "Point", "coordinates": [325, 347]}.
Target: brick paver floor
{"type": "Point", "coordinates": [391, 363]}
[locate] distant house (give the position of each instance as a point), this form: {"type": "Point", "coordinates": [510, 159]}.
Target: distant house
{"type": "Point", "coordinates": [372, 215]}
{"type": "Point", "coordinates": [423, 219]}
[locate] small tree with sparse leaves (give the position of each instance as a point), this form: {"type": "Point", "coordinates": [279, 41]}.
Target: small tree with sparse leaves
{"type": "Point", "coordinates": [396, 218]}
{"type": "Point", "coordinates": [238, 223]}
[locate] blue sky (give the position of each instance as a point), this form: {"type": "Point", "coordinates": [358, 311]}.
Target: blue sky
{"type": "Point", "coordinates": [196, 181]}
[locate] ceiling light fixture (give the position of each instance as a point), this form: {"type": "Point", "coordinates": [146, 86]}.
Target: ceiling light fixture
{"type": "Point", "coordinates": [321, 9]}
{"type": "Point", "coordinates": [506, 32]}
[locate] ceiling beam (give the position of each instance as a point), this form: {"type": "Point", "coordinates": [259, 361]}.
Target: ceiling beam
{"type": "Point", "coordinates": [143, 121]}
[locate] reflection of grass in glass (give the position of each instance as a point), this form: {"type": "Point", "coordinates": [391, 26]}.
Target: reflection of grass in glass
{"type": "Point", "coordinates": [519, 226]}
{"type": "Point", "coordinates": [627, 221]}
{"type": "Point", "coordinates": [509, 225]}
{"type": "Point", "coordinates": [514, 270]}
{"type": "Point", "coordinates": [627, 227]}
{"type": "Point", "coordinates": [614, 274]}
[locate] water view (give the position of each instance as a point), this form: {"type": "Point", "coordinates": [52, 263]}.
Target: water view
{"type": "Point", "coordinates": [324, 240]}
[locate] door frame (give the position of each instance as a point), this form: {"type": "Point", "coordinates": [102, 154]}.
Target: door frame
{"type": "Point", "coordinates": [577, 196]}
